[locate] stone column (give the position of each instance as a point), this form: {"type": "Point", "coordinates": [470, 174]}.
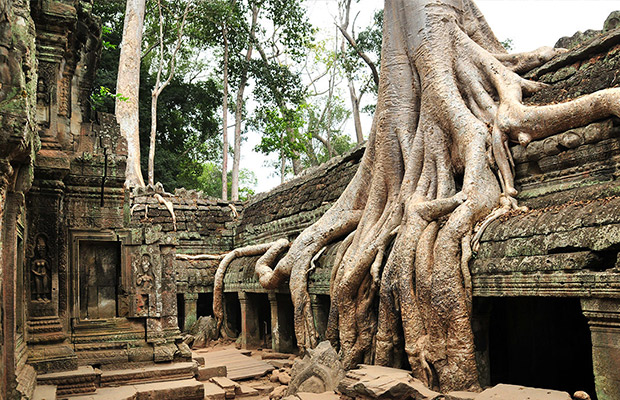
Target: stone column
{"type": "Point", "coordinates": [320, 315]}
{"type": "Point", "coordinates": [275, 326]}
{"type": "Point", "coordinates": [191, 307]}
{"type": "Point", "coordinates": [604, 320]}
{"type": "Point", "coordinates": [250, 333]}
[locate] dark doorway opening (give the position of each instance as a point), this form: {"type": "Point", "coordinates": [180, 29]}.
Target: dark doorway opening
{"type": "Point", "coordinates": [288, 340]}
{"type": "Point", "coordinates": [181, 311]}
{"type": "Point", "coordinates": [99, 269]}
{"type": "Point", "coordinates": [232, 314]}
{"type": "Point", "coordinates": [204, 307]}
{"type": "Point", "coordinates": [540, 342]}
{"type": "Point", "coordinates": [260, 302]}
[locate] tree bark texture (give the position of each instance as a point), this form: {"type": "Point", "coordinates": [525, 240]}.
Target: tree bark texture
{"type": "Point", "coordinates": [225, 118]}
{"type": "Point", "coordinates": [234, 195]}
{"type": "Point", "coordinates": [128, 84]}
{"type": "Point", "coordinates": [436, 164]}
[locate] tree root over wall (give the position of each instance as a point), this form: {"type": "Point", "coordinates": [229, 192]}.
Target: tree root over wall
{"type": "Point", "coordinates": [436, 164]}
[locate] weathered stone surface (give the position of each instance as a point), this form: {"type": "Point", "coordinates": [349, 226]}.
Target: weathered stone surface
{"type": "Point", "coordinates": [213, 391]}
{"type": "Point", "coordinates": [207, 372]}
{"type": "Point", "coordinates": [319, 371]}
{"type": "Point", "coordinates": [461, 396]}
{"type": "Point", "coordinates": [502, 392]}
{"type": "Point", "coordinates": [152, 373]}
{"type": "Point", "coordinates": [189, 389]}
{"type": "Point", "coordinates": [203, 331]}
{"type": "Point", "coordinates": [278, 392]}
{"type": "Point", "coordinates": [44, 392]}
{"type": "Point", "coordinates": [230, 387]}
{"type": "Point", "coordinates": [376, 382]}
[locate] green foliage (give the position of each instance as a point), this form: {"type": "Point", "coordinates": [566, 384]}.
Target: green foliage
{"type": "Point", "coordinates": [282, 130]}
{"type": "Point", "coordinates": [98, 98]}
{"type": "Point", "coordinates": [508, 44]}
{"type": "Point", "coordinates": [210, 181]}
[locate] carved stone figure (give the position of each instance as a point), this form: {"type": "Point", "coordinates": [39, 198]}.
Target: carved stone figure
{"type": "Point", "coordinates": [144, 277]}
{"type": "Point", "coordinates": [40, 272]}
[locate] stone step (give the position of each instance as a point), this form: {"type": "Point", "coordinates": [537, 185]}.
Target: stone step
{"type": "Point", "coordinates": [207, 372]}
{"type": "Point", "coordinates": [231, 387]}
{"type": "Point", "coordinates": [148, 374]}
{"type": "Point", "coordinates": [187, 389]}
{"type": "Point", "coordinates": [246, 391]}
{"type": "Point", "coordinates": [44, 392]}
{"type": "Point", "coordinates": [75, 382]}
{"type": "Point", "coordinates": [213, 391]}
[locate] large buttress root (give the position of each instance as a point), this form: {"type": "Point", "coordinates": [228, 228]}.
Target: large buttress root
{"type": "Point", "coordinates": [436, 164]}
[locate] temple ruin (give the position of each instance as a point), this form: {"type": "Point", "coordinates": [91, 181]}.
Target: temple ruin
{"type": "Point", "coordinates": [94, 275]}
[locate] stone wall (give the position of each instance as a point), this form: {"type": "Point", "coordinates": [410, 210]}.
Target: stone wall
{"type": "Point", "coordinates": [18, 143]}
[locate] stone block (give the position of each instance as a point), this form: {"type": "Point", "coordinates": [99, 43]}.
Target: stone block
{"type": "Point", "coordinates": [247, 391]}
{"type": "Point", "coordinates": [503, 392]}
{"type": "Point", "coordinates": [230, 387]}
{"type": "Point", "coordinates": [461, 396]}
{"type": "Point", "coordinates": [44, 392]}
{"type": "Point", "coordinates": [212, 371]}
{"type": "Point", "coordinates": [189, 389]}
{"type": "Point", "coordinates": [213, 391]}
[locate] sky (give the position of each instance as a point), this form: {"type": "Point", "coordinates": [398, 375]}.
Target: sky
{"type": "Point", "coordinates": [528, 23]}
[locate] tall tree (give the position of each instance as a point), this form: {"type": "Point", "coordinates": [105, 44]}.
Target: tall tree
{"type": "Point", "coordinates": [128, 84]}
{"type": "Point", "coordinates": [436, 163]}
{"type": "Point", "coordinates": [159, 84]}
{"type": "Point", "coordinates": [240, 100]}
{"type": "Point", "coordinates": [187, 120]}
{"type": "Point", "coordinates": [358, 53]}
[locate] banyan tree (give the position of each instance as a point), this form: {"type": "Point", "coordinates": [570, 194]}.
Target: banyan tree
{"type": "Point", "coordinates": [437, 165]}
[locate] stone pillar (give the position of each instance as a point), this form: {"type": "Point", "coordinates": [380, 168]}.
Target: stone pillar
{"type": "Point", "coordinates": [604, 320]}
{"type": "Point", "coordinates": [275, 326]}
{"type": "Point", "coordinates": [250, 331]}
{"type": "Point", "coordinates": [191, 307]}
{"type": "Point", "coordinates": [320, 315]}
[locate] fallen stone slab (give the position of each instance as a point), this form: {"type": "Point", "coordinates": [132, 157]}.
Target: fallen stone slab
{"type": "Point", "coordinates": [275, 356]}
{"type": "Point", "coordinates": [150, 373]}
{"type": "Point", "coordinates": [206, 373]}
{"type": "Point", "coordinates": [230, 387]}
{"type": "Point", "coordinates": [461, 396]}
{"type": "Point", "coordinates": [116, 393]}
{"type": "Point", "coordinates": [281, 363]}
{"type": "Point", "coordinates": [313, 396]}
{"type": "Point", "coordinates": [189, 389]}
{"type": "Point", "coordinates": [514, 392]}
{"type": "Point", "coordinates": [247, 391]}
{"type": "Point", "coordinates": [44, 392]}
{"type": "Point", "coordinates": [376, 382]}
{"type": "Point", "coordinates": [238, 365]}
{"type": "Point", "coordinates": [213, 391]}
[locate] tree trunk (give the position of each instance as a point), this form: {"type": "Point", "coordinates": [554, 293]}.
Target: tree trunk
{"type": "Point", "coordinates": [239, 113]}
{"type": "Point", "coordinates": [355, 109]}
{"type": "Point", "coordinates": [151, 167]}
{"type": "Point", "coordinates": [225, 120]}
{"type": "Point", "coordinates": [436, 163]}
{"type": "Point", "coordinates": [128, 84]}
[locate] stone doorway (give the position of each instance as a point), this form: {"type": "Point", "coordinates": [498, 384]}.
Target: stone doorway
{"type": "Point", "coordinates": [99, 271]}
{"type": "Point", "coordinates": [540, 342]}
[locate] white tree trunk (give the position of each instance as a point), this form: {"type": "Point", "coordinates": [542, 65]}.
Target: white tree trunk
{"type": "Point", "coordinates": [128, 84]}
{"type": "Point", "coordinates": [225, 122]}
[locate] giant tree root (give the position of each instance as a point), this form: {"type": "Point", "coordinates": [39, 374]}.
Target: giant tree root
{"type": "Point", "coordinates": [436, 164]}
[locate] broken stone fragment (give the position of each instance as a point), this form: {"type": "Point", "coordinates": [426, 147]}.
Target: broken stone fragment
{"type": "Point", "coordinates": [503, 392]}
{"type": "Point", "coordinates": [278, 392]}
